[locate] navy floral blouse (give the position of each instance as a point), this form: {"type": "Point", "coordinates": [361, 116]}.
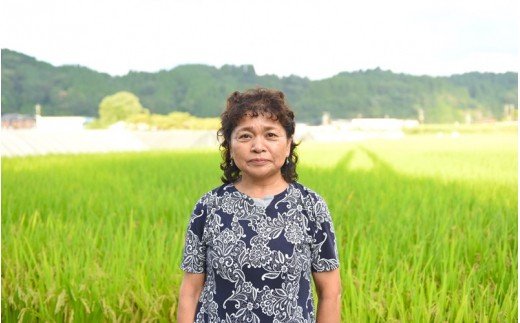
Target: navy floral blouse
{"type": "Point", "coordinates": [258, 260]}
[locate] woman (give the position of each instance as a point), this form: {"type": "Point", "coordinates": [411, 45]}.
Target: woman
{"type": "Point", "coordinates": [253, 242]}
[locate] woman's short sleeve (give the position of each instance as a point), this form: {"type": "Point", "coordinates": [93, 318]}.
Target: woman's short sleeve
{"type": "Point", "coordinates": [323, 247]}
{"type": "Point", "coordinates": [194, 255]}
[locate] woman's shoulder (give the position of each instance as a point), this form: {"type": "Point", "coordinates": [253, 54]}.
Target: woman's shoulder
{"type": "Point", "coordinates": [316, 206]}
{"type": "Point", "coordinates": [306, 192]}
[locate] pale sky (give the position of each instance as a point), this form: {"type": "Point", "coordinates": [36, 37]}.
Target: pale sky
{"type": "Point", "coordinates": [315, 39]}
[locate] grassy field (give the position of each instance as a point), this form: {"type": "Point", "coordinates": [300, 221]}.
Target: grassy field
{"type": "Point", "coordinates": [426, 226]}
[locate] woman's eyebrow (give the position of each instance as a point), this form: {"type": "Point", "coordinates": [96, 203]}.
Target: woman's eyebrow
{"type": "Point", "coordinates": [244, 129]}
{"type": "Point", "coordinates": [251, 129]}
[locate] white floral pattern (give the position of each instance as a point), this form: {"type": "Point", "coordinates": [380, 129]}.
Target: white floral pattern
{"type": "Point", "coordinates": [258, 260]}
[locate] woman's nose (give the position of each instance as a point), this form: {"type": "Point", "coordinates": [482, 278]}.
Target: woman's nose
{"type": "Point", "coordinates": [257, 144]}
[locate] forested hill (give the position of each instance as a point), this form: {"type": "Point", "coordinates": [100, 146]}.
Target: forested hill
{"type": "Point", "coordinates": [201, 90]}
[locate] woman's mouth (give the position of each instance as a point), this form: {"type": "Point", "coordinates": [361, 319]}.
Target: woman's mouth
{"type": "Point", "coordinates": [258, 161]}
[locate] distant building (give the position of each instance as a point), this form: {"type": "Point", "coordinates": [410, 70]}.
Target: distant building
{"type": "Point", "coordinates": [37, 122]}
{"type": "Point", "coordinates": [66, 123]}
{"type": "Point", "coordinates": [18, 121]}
{"type": "Point", "coordinates": [60, 123]}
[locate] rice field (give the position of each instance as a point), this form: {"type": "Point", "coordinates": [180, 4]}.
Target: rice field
{"type": "Point", "coordinates": [427, 229]}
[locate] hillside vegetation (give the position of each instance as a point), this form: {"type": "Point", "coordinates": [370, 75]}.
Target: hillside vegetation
{"type": "Point", "coordinates": [201, 90]}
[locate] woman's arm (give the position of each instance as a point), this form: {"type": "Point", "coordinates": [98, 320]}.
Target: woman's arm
{"type": "Point", "coordinates": [328, 287]}
{"type": "Point", "coordinates": [189, 293]}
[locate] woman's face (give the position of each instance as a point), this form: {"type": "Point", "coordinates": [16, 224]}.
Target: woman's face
{"type": "Point", "coordinates": [259, 147]}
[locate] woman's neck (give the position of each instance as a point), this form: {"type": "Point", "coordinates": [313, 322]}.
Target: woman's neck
{"type": "Point", "coordinates": [261, 188]}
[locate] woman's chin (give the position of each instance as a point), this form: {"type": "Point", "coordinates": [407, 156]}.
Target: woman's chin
{"type": "Point", "coordinates": [261, 173]}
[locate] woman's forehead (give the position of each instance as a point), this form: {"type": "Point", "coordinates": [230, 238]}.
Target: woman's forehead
{"type": "Point", "coordinates": [257, 122]}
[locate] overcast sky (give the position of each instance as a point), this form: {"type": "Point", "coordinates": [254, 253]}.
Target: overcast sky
{"type": "Point", "coordinates": [316, 39]}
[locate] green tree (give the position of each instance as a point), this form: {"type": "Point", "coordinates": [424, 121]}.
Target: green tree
{"type": "Point", "coordinates": [118, 107]}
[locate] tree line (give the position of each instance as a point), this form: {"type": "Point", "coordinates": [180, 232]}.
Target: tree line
{"type": "Point", "coordinates": [125, 106]}
{"type": "Point", "coordinates": [201, 91]}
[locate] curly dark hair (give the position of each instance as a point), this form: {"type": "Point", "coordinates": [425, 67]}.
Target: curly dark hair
{"type": "Point", "coordinates": [254, 102]}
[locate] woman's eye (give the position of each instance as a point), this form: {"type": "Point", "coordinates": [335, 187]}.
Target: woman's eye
{"type": "Point", "coordinates": [272, 135]}
{"type": "Point", "coordinates": [244, 136]}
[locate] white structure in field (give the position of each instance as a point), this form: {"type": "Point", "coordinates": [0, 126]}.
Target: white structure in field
{"type": "Point", "coordinates": [383, 124]}
{"type": "Point", "coordinates": [355, 129]}
{"type": "Point", "coordinates": [60, 123]}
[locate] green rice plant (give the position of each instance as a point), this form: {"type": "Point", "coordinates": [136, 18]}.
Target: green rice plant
{"type": "Point", "coordinates": [426, 229]}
